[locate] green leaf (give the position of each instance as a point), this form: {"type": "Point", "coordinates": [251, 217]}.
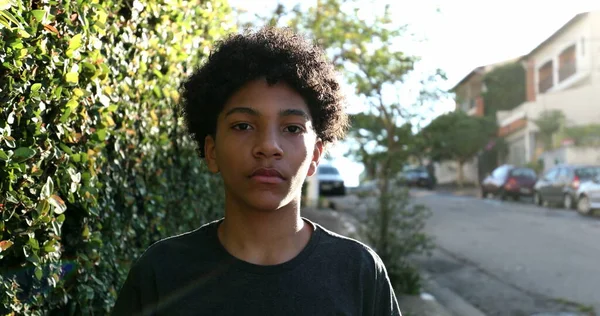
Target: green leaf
{"type": "Point", "coordinates": [59, 205]}
{"type": "Point", "coordinates": [38, 14]}
{"type": "Point", "coordinates": [38, 273]}
{"type": "Point", "coordinates": [10, 17]}
{"type": "Point", "coordinates": [101, 134]}
{"type": "Point", "coordinates": [47, 189]}
{"type": "Point", "coordinates": [3, 156]}
{"type": "Point", "coordinates": [36, 87]}
{"type": "Point", "coordinates": [34, 243]}
{"type": "Point", "coordinates": [75, 42]}
{"type": "Point", "coordinates": [72, 77]}
{"type": "Point", "coordinates": [23, 154]}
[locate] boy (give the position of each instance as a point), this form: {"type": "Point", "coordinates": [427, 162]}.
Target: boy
{"type": "Point", "coordinates": [262, 109]}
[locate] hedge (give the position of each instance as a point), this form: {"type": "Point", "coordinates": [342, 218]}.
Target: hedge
{"type": "Point", "coordinates": [95, 164]}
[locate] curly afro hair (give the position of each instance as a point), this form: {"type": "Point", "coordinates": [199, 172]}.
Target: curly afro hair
{"type": "Point", "coordinates": [278, 55]}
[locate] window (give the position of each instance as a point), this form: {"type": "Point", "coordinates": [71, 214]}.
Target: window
{"type": "Point", "coordinates": [563, 173]}
{"type": "Point", "coordinates": [545, 77]}
{"type": "Point", "coordinates": [523, 173]}
{"type": "Point", "coordinates": [328, 170]}
{"type": "Point", "coordinates": [551, 175]}
{"type": "Point", "coordinates": [500, 172]}
{"type": "Point", "coordinates": [567, 63]}
{"type": "Point", "coordinates": [587, 173]}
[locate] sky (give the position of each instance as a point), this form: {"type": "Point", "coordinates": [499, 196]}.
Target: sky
{"type": "Point", "coordinates": [457, 36]}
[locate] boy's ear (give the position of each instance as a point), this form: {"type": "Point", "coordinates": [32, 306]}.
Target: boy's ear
{"type": "Point", "coordinates": [210, 154]}
{"type": "Point", "coordinates": [316, 157]}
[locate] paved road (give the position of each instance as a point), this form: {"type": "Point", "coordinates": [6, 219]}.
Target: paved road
{"type": "Point", "coordinates": [511, 258]}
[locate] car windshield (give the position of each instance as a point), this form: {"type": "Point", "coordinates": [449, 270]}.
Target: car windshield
{"type": "Point", "coordinates": [587, 172]}
{"type": "Point", "coordinates": [328, 170]}
{"type": "Point", "coordinates": [523, 173]}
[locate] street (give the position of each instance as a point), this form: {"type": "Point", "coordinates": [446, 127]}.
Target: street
{"type": "Point", "coordinates": [510, 258]}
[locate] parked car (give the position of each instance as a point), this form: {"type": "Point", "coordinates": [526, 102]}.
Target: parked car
{"type": "Point", "coordinates": [509, 180]}
{"type": "Point", "coordinates": [588, 196]}
{"type": "Point", "coordinates": [559, 185]}
{"type": "Point", "coordinates": [417, 177]}
{"type": "Point", "coordinates": [330, 180]}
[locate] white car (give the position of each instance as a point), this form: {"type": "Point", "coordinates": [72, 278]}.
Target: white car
{"type": "Point", "coordinates": [589, 196]}
{"type": "Point", "coordinates": [330, 180]}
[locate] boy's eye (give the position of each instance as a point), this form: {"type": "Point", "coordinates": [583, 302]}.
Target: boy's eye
{"type": "Point", "coordinates": [294, 129]}
{"type": "Point", "coordinates": [242, 126]}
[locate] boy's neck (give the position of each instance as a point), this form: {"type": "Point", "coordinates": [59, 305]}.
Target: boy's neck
{"type": "Point", "coordinates": [264, 237]}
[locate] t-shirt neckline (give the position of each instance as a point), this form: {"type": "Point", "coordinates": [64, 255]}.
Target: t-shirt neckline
{"type": "Point", "coordinates": [268, 269]}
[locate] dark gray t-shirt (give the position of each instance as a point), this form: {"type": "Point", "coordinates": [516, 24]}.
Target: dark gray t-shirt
{"type": "Point", "coordinates": [193, 274]}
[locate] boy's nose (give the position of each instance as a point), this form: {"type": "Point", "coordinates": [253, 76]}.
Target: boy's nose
{"type": "Point", "coordinates": [268, 145]}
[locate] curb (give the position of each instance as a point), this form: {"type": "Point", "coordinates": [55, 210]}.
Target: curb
{"type": "Point", "coordinates": [450, 300]}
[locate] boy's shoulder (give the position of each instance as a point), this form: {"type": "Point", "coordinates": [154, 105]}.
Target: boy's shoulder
{"type": "Point", "coordinates": [346, 248]}
{"type": "Point", "coordinates": [196, 243]}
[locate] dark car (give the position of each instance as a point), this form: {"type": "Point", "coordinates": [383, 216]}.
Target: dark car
{"type": "Point", "coordinates": [508, 180]}
{"type": "Point", "coordinates": [417, 177]}
{"type": "Point", "coordinates": [331, 181]}
{"type": "Point", "coordinates": [559, 185]}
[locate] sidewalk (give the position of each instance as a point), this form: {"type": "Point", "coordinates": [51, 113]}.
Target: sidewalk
{"type": "Point", "coordinates": [467, 190]}
{"type": "Point", "coordinates": [426, 304]}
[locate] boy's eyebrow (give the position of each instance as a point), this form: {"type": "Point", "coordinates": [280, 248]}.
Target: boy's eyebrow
{"type": "Point", "coordinates": [253, 112]}
{"type": "Point", "coordinates": [243, 110]}
{"type": "Point", "coordinates": [294, 112]}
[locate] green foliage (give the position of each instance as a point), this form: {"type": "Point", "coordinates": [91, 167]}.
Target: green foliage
{"type": "Point", "coordinates": [505, 88]}
{"type": "Point", "coordinates": [401, 238]}
{"type": "Point", "coordinates": [94, 162]}
{"type": "Point", "coordinates": [582, 135]}
{"type": "Point", "coordinates": [549, 122]}
{"type": "Point", "coordinates": [459, 137]}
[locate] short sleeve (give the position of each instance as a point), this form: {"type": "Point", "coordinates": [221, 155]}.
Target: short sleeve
{"type": "Point", "coordinates": [137, 295]}
{"type": "Point", "coordinates": [386, 303]}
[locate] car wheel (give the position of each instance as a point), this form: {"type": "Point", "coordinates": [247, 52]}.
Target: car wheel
{"type": "Point", "coordinates": [537, 199]}
{"type": "Point", "coordinates": [583, 205]}
{"type": "Point", "coordinates": [502, 195]}
{"type": "Point", "coordinates": [568, 201]}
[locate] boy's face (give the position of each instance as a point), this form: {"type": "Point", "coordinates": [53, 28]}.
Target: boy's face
{"type": "Point", "coordinates": [265, 146]}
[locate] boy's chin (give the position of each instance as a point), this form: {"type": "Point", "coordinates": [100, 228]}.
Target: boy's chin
{"type": "Point", "coordinates": [270, 203]}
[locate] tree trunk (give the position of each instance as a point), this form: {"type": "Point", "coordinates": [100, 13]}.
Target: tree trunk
{"type": "Point", "coordinates": [461, 174]}
{"type": "Point", "coordinates": [384, 210]}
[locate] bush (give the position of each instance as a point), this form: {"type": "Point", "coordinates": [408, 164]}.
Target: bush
{"type": "Point", "coordinates": [94, 162]}
{"type": "Point", "coordinates": [395, 229]}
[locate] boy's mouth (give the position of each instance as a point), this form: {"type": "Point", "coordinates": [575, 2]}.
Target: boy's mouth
{"type": "Point", "coordinates": [267, 175]}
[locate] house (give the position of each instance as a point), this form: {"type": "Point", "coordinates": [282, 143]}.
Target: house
{"type": "Point", "coordinates": [469, 98]}
{"type": "Point", "coordinates": [562, 73]}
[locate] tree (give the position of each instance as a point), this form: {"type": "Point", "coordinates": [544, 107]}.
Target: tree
{"type": "Point", "coordinates": [459, 137]}
{"type": "Point", "coordinates": [505, 88]}
{"type": "Point", "coordinates": [363, 51]}
{"type": "Point", "coordinates": [549, 122]}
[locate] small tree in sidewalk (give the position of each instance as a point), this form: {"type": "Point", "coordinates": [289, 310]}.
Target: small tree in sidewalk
{"type": "Point", "coordinates": [394, 228]}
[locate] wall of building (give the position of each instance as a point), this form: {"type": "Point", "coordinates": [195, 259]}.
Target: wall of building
{"type": "Point", "coordinates": [594, 45]}
{"type": "Point", "coordinates": [580, 34]}
{"type": "Point", "coordinates": [571, 155]}
{"type": "Point", "coordinates": [447, 172]}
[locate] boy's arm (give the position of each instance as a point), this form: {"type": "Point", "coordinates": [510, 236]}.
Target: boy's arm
{"type": "Point", "coordinates": [136, 296]}
{"type": "Point", "coordinates": [386, 303]}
